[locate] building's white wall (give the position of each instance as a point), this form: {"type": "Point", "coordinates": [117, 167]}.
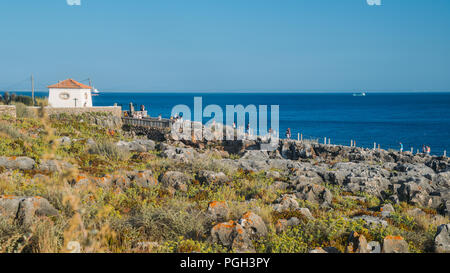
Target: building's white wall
{"type": "Point", "coordinates": [83, 96]}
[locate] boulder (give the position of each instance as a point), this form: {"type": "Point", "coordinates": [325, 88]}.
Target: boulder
{"type": "Point", "coordinates": [80, 181]}
{"type": "Point", "coordinates": [442, 239]}
{"type": "Point", "coordinates": [210, 177]}
{"type": "Point", "coordinates": [52, 166]}
{"type": "Point", "coordinates": [143, 178]}
{"type": "Point", "coordinates": [305, 212]}
{"type": "Point", "coordinates": [218, 211]}
{"type": "Point", "coordinates": [175, 180]}
{"type": "Point", "coordinates": [232, 235]}
{"type": "Point", "coordinates": [34, 206]}
{"type": "Point", "coordinates": [24, 209]}
{"type": "Point", "coordinates": [256, 155]}
{"type": "Point", "coordinates": [387, 210]}
{"type": "Point", "coordinates": [121, 181]}
{"type": "Point", "coordinates": [374, 247]}
{"type": "Point", "coordinates": [442, 180]}
{"type": "Point", "coordinates": [273, 175]}
{"type": "Point", "coordinates": [286, 203]}
{"type": "Point", "coordinates": [415, 193]}
{"type": "Point", "coordinates": [65, 141]}
{"type": "Point", "coordinates": [283, 224]}
{"type": "Point", "coordinates": [9, 205]}
{"type": "Point", "coordinates": [314, 193]}
{"type": "Point", "coordinates": [184, 155]}
{"type": "Point", "coordinates": [17, 163]}
{"type": "Point", "coordinates": [131, 146]}
{"type": "Point", "coordinates": [371, 220]}
{"type": "Point", "coordinates": [253, 225]}
{"type": "Point", "coordinates": [357, 243]}
{"type": "Point", "coordinates": [147, 143]}
{"type": "Point", "coordinates": [395, 244]}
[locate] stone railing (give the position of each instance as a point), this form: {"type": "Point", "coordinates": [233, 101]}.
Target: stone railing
{"type": "Point", "coordinates": [147, 122]}
{"type": "Point", "coordinates": [114, 110]}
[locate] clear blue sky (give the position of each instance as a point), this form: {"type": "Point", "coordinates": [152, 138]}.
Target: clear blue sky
{"type": "Point", "coordinates": [228, 45]}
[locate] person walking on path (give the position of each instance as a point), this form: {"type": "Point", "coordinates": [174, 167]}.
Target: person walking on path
{"type": "Point", "coordinates": [288, 133]}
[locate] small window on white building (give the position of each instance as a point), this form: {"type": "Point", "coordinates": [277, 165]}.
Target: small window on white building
{"type": "Point", "coordinates": [64, 96]}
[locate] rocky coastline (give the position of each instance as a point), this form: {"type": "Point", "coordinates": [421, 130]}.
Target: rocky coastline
{"type": "Point", "coordinates": [225, 196]}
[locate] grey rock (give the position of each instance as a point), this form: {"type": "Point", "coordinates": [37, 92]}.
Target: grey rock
{"type": "Point", "coordinates": [147, 143]}
{"type": "Point", "coordinates": [306, 213]}
{"type": "Point", "coordinates": [374, 247]}
{"type": "Point", "coordinates": [253, 225]}
{"type": "Point", "coordinates": [184, 155]}
{"type": "Point", "coordinates": [371, 220]}
{"type": "Point", "coordinates": [313, 193]}
{"type": "Point", "coordinates": [387, 210]}
{"type": "Point", "coordinates": [218, 211]}
{"type": "Point", "coordinates": [414, 193]}
{"type": "Point", "coordinates": [283, 224]}
{"type": "Point", "coordinates": [232, 235]}
{"type": "Point", "coordinates": [65, 141]}
{"type": "Point", "coordinates": [210, 177]}
{"type": "Point", "coordinates": [175, 180]}
{"type": "Point", "coordinates": [53, 166]}
{"type": "Point", "coordinates": [143, 178]}
{"type": "Point", "coordinates": [357, 243]}
{"type": "Point", "coordinates": [393, 244]}
{"type": "Point", "coordinates": [24, 209]}
{"type": "Point", "coordinates": [131, 146]}
{"type": "Point", "coordinates": [257, 155]}
{"type": "Point", "coordinates": [286, 203]}
{"type": "Point", "coordinates": [273, 175]}
{"type": "Point", "coordinates": [17, 163]}
{"type": "Point", "coordinates": [34, 206]}
{"type": "Point", "coordinates": [442, 239]}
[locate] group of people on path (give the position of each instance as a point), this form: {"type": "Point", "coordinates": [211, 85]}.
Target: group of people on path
{"type": "Point", "coordinates": [425, 149]}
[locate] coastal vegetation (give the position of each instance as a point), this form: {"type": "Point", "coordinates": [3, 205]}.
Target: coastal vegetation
{"type": "Point", "coordinates": [111, 191]}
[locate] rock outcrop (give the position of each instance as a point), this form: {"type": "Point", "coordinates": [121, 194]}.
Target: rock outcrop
{"type": "Point", "coordinates": [442, 239]}
{"type": "Point", "coordinates": [25, 209]}
{"type": "Point", "coordinates": [17, 163]}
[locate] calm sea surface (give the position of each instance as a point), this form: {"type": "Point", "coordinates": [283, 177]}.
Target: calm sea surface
{"type": "Point", "coordinates": [414, 119]}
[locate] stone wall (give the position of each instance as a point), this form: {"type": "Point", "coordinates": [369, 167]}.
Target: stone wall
{"type": "Point", "coordinates": [8, 110]}
{"type": "Point", "coordinates": [114, 110]}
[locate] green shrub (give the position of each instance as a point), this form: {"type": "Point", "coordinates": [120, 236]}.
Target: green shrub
{"type": "Point", "coordinates": [175, 219]}
{"type": "Point", "coordinates": [9, 130]}
{"type": "Point", "coordinates": [22, 111]}
{"type": "Point", "coordinates": [109, 150]}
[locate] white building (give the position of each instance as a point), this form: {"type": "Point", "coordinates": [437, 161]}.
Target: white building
{"type": "Point", "coordinates": [69, 94]}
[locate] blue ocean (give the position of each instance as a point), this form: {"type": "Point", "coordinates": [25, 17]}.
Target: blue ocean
{"type": "Point", "coordinates": [415, 119]}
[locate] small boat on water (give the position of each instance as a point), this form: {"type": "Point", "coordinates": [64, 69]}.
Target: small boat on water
{"type": "Point", "coordinates": [94, 91]}
{"type": "Point", "coordinates": [363, 94]}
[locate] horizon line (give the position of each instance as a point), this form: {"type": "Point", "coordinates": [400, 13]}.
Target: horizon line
{"type": "Point", "coordinates": [249, 92]}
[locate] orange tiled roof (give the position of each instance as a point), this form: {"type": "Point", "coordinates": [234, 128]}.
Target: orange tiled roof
{"type": "Point", "coordinates": [70, 84]}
